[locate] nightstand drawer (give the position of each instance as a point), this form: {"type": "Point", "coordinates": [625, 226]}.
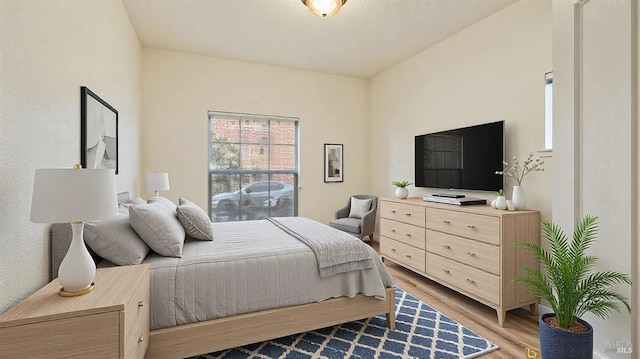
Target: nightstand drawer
{"type": "Point", "coordinates": [136, 315]}
{"type": "Point", "coordinates": [470, 225]}
{"type": "Point", "coordinates": [474, 253]}
{"type": "Point", "coordinates": [403, 232]}
{"type": "Point", "coordinates": [476, 282]}
{"type": "Point", "coordinates": [67, 338]}
{"type": "Point", "coordinates": [402, 253]}
{"type": "Point", "coordinates": [406, 213]}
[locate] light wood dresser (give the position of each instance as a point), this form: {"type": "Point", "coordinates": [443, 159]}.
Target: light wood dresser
{"type": "Point", "coordinates": [110, 322]}
{"type": "Point", "coordinates": [470, 249]}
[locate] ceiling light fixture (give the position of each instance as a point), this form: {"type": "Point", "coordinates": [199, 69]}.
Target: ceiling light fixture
{"type": "Point", "coordinates": [324, 8]}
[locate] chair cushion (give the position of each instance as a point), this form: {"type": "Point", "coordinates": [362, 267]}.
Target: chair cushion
{"type": "Point", "coordinates": [359, 207]}
{"type": "Point", "coordinates": [351, 225]}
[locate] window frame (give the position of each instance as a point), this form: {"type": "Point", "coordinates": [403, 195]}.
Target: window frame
{"type": "Point", "coordinates": [239, 171]}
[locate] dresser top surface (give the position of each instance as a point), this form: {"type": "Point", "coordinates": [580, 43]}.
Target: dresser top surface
{"type": "Point", "coordinates": [483, 209]}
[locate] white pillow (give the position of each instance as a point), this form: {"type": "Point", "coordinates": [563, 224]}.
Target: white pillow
{"type": "Point", "coordinates": [158, 228]}
{"type": "Point", "coordinates": [359, 207]}
{"type": "Point", "coordinates": [194, 220]}
{"type": "Point", "coordinates": [115, 240]}
{"type": "Point", "coordinates": [164, 201]}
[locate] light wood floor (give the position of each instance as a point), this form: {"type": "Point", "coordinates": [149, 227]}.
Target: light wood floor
{"type": "Point", "coordinates": [520, 327]}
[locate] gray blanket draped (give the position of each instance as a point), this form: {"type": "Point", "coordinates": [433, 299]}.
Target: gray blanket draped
{"type": "Point", "coordinates": [336, 251]}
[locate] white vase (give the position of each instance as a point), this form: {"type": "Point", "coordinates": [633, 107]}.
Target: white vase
{"type": "Point", "coordinates": [519, 201]}
{"type": "Point", "coordinates": [402, 192]}
{"type": "Point", "coordinates": [501, 202]}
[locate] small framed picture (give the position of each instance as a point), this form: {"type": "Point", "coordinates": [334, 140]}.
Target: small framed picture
{"type": "Point", "coordinates": [333, 163]}
{"type": "Point", "coordinates": [99, 128]}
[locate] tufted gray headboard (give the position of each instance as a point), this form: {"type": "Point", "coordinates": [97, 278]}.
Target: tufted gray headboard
{"type": "Point", "coordinates": [61, 239]}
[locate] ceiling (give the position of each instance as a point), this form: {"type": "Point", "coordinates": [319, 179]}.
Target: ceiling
{"type": "Point", "coordinates": [365, 38]}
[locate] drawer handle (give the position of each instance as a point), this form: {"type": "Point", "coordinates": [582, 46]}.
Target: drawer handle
{"type": "Point", "coordinates": [393, 249]}
{"type": "Point", "coordinates": [445, 270]}
{"type": "Point", "coordinates": [393, 230]}
{"type": "Point", "coordinates": [141, 303]}
{"type": "Point", "coordinates": [471, 253]}
{"type": "Point", "coordinates": [445, 221]}
{"type": "Point", "coordinates": [446, 246]}
{"type": "Point", "coordinates": [408, 255]}
{"type": "Point", "coordinates": [407, 214]}
{"type": "Point", "coordinates": [470, 226]}
{"type": "Point", "coordinates": [393, 211]}
{"type": "Point", "coordinates": [470, 280]}
{"type": "Point", "coordinates": [140, 339]}
{"type": "Point", "coordinates": [408, 234]}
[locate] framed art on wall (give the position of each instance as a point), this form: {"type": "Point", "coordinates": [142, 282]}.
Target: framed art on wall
{"type": "Point", "coordinates": [333, 163]}
{"type": "Point", "coordinates": [99, 132]}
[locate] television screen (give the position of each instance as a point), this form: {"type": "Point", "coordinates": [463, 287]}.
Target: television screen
{"type": "Point", "coordinates": [464, 158]}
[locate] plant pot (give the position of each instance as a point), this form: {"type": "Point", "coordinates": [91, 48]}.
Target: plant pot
{"type": "Point", "coordinates": [402, 192]}
{"type": "Point", "coordinates": [560, 344]}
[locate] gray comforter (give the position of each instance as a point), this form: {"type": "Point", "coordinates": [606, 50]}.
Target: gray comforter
{"type": "Point", "coordinates": [250, 266]}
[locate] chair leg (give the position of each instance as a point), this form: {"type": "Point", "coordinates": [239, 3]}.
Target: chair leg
{"type": "Point", "coordinates": [371, 239]}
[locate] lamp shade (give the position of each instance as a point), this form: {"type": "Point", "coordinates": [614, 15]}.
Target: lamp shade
{"type": "Point", "coordinates": [73, 195]}
{"type": "Point", "coordinates": [156, 182]}
{"type": "Point", "coordinates": [324, 8]}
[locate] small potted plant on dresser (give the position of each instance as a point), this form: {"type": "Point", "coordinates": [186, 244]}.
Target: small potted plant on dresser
{"type": "Point", "coordinates": [401, 188]}
{"type": "Point", "coordinates": [571, 289]}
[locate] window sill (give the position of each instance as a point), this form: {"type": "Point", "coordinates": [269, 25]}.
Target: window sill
{"type": "Point", "coordinates": [545, 153]}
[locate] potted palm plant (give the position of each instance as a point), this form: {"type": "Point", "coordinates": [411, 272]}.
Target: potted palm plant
{"type": "Point", "coordinates": [570, 287]}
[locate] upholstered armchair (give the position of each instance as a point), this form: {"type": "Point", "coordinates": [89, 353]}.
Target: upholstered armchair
{"type": "Point", "coordinates": [358, 217]}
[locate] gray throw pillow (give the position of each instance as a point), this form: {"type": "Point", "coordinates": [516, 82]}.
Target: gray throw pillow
{"type": "Point", "coordinates": [115, 240]}
{"type": "Point", "coordinates": [158, 228]}
{"type": "Point", "coordinates": [194, 220]}
{"type": "Point", "coordinates": [359, 207]}
{"type": "Point", "coordinates": [164, 201]}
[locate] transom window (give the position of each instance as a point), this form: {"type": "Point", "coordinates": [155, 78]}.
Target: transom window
{"type": "Point", "coordinates": [253, 166]}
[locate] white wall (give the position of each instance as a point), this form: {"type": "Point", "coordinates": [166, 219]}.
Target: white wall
{"type": "Point", "coordinates": [48, 50]}
{"type": "Point", "coordinates": [490, 71]}
{"type": "Point", "coordinates": [179, 89]}
{"type": "Point", "coordinates": [596, 141]}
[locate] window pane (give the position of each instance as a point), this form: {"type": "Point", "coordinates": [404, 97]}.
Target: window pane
{"type": "Point", "coordinates": [226, 128]}
{"type": "Point", "coordinates": [224, 156]}
{"type": "Point", "coordinates": [281, 200]}
{"type": "Point", "coordinates": [224, 197]}
{"type": "Point", "coordinates": [283, 132]}
{"type": "Point", "coordinates": [548, 110]}
{"type": "Point", "coordinates": [255, 157]}
{"type": "Point", "coordinates": [255, 131]}
{"type": "Point", "coordinates": [283, 157]}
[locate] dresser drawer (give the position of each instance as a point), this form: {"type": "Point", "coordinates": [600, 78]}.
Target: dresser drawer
{"type": "Point", "coordinates": [406, 213]}
{"type": "Point", "coordinates": [136, 315]}
{"type": "Point", "coordinates": [402, 253]}
{"type": "Point", "coordinates": [403, 232]}
{"type": "Point", "coordinates": [468, 251]}
{"type": "Point", "coordinates": [478, 283]}
{"type": "Point", "coordinates": [470, 225]}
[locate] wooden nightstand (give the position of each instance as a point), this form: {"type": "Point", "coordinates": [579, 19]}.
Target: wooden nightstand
{"type": "Point", "coordinates": [110, 322]}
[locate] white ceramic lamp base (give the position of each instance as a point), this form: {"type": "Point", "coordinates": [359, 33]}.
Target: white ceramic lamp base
{"type": "Point", "coordinates": [77, 270]}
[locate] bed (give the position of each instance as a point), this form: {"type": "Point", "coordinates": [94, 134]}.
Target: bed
{"type": "Point", "coordinates": [255, 281]}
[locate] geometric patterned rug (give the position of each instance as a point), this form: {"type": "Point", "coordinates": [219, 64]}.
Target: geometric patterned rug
{"type": "Point", "coordinates": [421, 332]}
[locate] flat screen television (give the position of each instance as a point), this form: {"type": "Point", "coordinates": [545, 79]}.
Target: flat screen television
{"type": "Point", "coordinates": [463, 158]}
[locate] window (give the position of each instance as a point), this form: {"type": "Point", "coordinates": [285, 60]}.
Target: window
{"type": "Point", "coordinates": [253, 166]}
{"type": "Point", "coordinates": [548, 111]}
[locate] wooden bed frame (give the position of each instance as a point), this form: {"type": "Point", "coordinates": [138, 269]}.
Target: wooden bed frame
{"type": "Point", "coordinates": [230, 332]}
{"type": "Point", "coordinates": [209, 336]}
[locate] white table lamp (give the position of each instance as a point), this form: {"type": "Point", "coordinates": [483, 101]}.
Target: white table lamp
{"type": "Point", "coordinates": [74, 195]}
{"type": "Point", "coordinates": [156, 182]}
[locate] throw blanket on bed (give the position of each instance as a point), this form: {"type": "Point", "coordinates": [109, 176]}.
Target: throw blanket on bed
{"type": "Point", "coordinates": [336, 251]}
